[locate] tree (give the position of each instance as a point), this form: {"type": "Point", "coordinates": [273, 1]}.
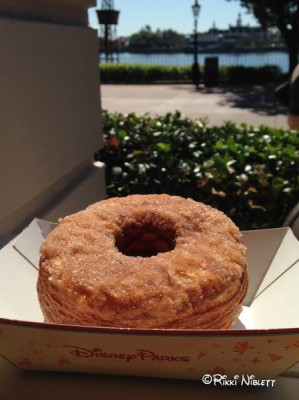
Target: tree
{"type": "Point", "coordinates": [147, 39]}
{"type": "Point", "coordinates": [283, 14]}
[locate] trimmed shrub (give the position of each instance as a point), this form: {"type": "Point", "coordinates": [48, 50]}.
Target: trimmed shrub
{"type": "Point", "coordinates": [250, 75]}
{"type": "Point", "coordinates": [250, 174]}
{"type": "Point", "coordinates": [139, 73]}
{"type": "Point", "coordinates": [150, 74]}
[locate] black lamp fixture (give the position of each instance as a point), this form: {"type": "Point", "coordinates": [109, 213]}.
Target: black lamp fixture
{"type": "Point", "coordinates": [108, 19]}
{"type": "Point", "coordinates": [196, 9]}
{"type": "Point", "coordinates": [195, 67]}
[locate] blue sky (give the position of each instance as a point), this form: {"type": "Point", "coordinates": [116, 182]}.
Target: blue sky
{"type": "Point", "coordinates": [174, 14]}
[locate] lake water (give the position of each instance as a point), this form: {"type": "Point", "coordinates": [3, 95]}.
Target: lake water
{"type": "Point", "coordinates": [258, 59]}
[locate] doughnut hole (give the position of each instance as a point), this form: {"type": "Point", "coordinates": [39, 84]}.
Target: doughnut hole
{"type": "Point", "coordinates": [146, 239]}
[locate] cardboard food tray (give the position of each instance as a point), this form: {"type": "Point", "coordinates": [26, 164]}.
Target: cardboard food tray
{"type": "Point", "coordinates": [264, 342]}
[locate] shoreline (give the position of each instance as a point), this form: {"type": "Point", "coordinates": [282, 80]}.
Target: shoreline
{"type": "Point", "coordinates": [202, 51]}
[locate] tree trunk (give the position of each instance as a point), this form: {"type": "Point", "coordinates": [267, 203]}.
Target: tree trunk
{"type": "Point", "coordinates": [288, 24]}
{"type": "Point", "coordinates": [291, 39]}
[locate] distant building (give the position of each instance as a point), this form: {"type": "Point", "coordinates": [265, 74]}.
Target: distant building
{"type": "Point", "coordinates": [237, 37]}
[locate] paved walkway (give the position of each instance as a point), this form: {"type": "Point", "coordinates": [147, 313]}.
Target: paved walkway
{"type": "Point", "coordinates": [254, 105]}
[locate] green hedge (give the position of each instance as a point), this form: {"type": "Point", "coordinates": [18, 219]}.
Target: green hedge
{"type": "Point", "coordinates": [240, 74]}
{"type": "Point", "coordinates": [139, 73]}
{"type": "Point", "coordinates": [250, 174]}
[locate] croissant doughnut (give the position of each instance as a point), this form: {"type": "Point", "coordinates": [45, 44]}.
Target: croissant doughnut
{"type": "Point", "coordinates": [144, 261]}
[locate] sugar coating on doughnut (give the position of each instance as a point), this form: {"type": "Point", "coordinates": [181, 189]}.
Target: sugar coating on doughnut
{"type": "Point", "coordinates": [144, 261]}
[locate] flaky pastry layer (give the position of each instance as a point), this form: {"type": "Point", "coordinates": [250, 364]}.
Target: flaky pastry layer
{"type": "Point", "coordinates": [144, 261]}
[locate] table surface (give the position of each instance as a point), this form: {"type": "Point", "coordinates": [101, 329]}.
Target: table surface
{"type": "Point", "coordinates": [15, 383]}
